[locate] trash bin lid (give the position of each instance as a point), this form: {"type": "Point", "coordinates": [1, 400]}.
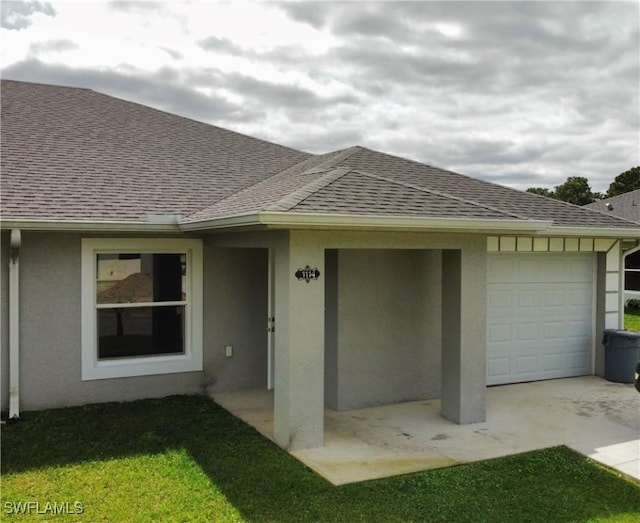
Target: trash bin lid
{"type": "Point", "coordinates": [620, 333]}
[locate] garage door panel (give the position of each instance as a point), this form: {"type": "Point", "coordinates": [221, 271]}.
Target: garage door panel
{"type": "Point", "coordinates": [499, 333]}
{"type": "Point", "coordinates": [502, 270]}
{"type": "Point", "coordinates": [527, 298]}
{"type": "Point", "coordinates": [553, 362]}
{"type": "Point", "coordinates": [526, 366]}
{"type": "Point", "coordinates": [580, 330]}
{"type": "Point", "coordinates": [527, 332]}
{"type": "Point", "coordinates": [582, 270]}
{"type": "Point", "coordinates": [499, 368]}
{"type": "Point", "coordinates": [578, 361]}
{"type": "Point", "coordinates": [552, 331]}
{"type": "Point", "coordinates": [500, 299]}
{"type": "Point", "coordinates": [539, 316]}
{"type": "Point", "coordinates": [552, 296]}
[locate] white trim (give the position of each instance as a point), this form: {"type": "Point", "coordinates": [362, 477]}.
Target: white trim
{"type": "Point", "coordinates": [359, 221]}
{"type": "Point", "coordinates": [140, 304]}
{"type": "Point", "coordinates": [596, 232]}
{"type": "Point", "coordinates": [191, 360]}
{"type": "Point", "coordinates": [623, 273]}
{"type": "Point", "coordinates": [271, 219]}
{"type": "Point", "coordinates": [14, 324]}
{"type": "Point", "coordinates": [511, 243]}
{"type": "Point", "coordinates": [89, 226]}
{"type": "Point", "coordinates": [270, 319]}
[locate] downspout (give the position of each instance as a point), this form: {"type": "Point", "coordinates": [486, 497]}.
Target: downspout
{"type": "Point", "coordinates": [14, 325]}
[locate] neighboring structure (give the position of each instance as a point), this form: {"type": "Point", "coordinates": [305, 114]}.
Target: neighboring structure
{"type": "Point", "coordinates": [145, 254]}
{"type": "Point", "coordinates": [626, 206]}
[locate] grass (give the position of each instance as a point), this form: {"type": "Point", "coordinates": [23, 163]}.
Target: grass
{"type": "Point", "coordinates": [183, 458]}
{"type": "Point", "coordinates": [632, 320]}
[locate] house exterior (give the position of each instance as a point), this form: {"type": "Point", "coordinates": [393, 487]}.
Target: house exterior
{"type": "Point", "coordinates": [145, 254]}
{"type": "Point", "coordinates": [625, 206]}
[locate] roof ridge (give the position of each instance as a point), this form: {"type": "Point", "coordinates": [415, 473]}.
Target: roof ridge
{"type": "Point", "coordinates": [323, 166]}
{"type": "Point", "coordinates": [468, 177]}
{"type": "Point", "coordinates": [302, 193]}
{"type": "Point", "coordinates": [439, 193]}
{"type": "Point", "coordinates": [340, 155]}
{"type": "Point", "coordinates": [44, 84]}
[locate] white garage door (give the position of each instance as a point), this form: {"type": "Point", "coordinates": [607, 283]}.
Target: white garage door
{"type": "Point", "coordinates": [539, 316]}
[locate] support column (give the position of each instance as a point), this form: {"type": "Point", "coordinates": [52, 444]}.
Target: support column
{"type": "Point", "coordinates": [464, 333]}
{"type": "Point", "coordinates": [299, 343]}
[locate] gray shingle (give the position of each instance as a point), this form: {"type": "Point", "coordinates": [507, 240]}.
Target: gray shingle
{"type": "Point", "coordinates": [71, 153]}
{"type": "Point", "coordinates": [625, 206]}
{"type": "Point", "coordinates": [380, 196]}
{"type": "Point", "coordinates": [508, 200]}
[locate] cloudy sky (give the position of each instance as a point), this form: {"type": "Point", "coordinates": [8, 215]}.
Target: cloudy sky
{"type": "Point", "coordinates": [521, 93]}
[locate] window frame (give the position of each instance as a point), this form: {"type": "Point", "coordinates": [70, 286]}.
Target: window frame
{"type": "Point", "coordinates": [633, 270]}
{"type": "Point", "coordinates": [94, 368]}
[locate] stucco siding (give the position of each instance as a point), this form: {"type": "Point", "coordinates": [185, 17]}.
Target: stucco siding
{"type": "Point", "coordinates": [388, 326]}
{"type": "Point", "coordinates": [50, 363]}
{"type": "Point", "coordinates": [235, 314]}
{"type": "Point", "coordinates": [50, 344]}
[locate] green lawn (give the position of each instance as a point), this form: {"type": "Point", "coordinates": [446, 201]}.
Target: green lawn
{"type": "Point", "coordinates": [632, 320]}
{"type": "Point", "coordinates": [185, 459]}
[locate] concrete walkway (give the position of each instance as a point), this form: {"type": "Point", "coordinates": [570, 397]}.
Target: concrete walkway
{"type": "Point", "coordinates": [595, 417]}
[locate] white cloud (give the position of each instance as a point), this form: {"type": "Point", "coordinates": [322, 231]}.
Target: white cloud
{"type": "Point", "coordinates": [525, 93]}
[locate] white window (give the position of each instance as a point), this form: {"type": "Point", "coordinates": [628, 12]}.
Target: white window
{"type": "Point", "coordinates": [632, 272]}
{"type": "Point", "coordinates": [141, 307]}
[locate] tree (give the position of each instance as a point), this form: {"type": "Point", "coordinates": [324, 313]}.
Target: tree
{"type": "Point", "coordinates": [542, 191]}
{"type": "Point", "coordinates": [576, 190]}
{"type": "Point", "coordinates": [625, 182]}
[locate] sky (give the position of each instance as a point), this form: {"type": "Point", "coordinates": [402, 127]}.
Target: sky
{"type": "Point", "coordinates": [522, 93]}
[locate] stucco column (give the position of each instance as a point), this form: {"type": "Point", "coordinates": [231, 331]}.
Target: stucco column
{"type": "Point", "coordinates": [299, 343]}
{"type": "Point", "coordinates": [464, 333]}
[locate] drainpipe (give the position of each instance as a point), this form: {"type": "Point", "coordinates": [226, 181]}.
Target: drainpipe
{"type": "Point", "coordinates": [14, 325]}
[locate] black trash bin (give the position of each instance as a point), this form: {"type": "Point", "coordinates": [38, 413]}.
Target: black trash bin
{"type": "Point", "coordinates": [621, 355]}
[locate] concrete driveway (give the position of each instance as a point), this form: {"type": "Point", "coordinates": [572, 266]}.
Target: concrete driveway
{"type": "Point", "coordinates": [595, 417]}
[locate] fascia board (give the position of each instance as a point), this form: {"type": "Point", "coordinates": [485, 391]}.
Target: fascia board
{"type": "Point", "coordinates": [600, 232]}
{"type": "Point", "coordinates": [277, 220]}
{"type": "Point", "coordinates": [232, 222]}
{"type": "Point", "coordinates": [280, 220]}
{"type": "Point", "coordinates": [88, 226]}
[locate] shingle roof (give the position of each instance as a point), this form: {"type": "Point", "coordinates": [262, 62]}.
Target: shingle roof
{"type": "Point", "coordinates": [625, 206]}
{"type": "Point", "coordinates": [71, 153]}
{"type": "Point", "coordinates": [509, 201]}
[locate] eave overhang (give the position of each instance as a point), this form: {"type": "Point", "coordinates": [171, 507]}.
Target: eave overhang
{"type": "Point", "coordinates": [288, 220]}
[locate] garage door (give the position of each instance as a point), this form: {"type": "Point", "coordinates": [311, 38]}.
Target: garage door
{"type": "Point", "coordinates": [539, 316]}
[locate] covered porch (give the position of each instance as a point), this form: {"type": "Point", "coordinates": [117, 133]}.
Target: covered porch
{"type": "Point", "coordinates": [384, 318]}
{"type": "Point", "coordinates": [588, 414]}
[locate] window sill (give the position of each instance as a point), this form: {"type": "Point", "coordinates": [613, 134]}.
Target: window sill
{"type": "Point", "coordinates": [147, 366]}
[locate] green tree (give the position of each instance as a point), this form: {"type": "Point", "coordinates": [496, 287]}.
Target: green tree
{"type": "Point", "coordinates": [576, 190]}
{"type": "Point", "coordinates": [542, 191]}
{"type": "Point", "coordinates": [625, 182]}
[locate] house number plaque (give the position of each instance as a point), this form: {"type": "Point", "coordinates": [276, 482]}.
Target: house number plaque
{"type": "Point", "coordinates": [307, 274]}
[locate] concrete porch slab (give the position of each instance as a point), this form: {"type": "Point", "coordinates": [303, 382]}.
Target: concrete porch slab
{"type": "Point", "coordinates": [595, 417]}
